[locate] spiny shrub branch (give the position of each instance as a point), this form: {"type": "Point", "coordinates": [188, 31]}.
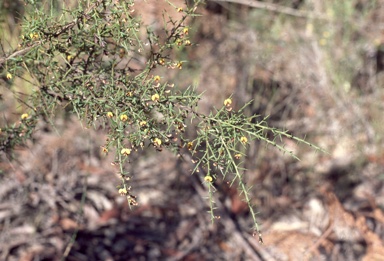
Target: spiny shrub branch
{"type": "Point", "coordinates": [98, 62]}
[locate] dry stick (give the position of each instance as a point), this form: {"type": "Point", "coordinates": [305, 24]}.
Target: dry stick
{"type": "Point", "coordinates": [81, 211]}
{"type": "Point", "coordinates": [320, 240]}
{"type": "Point", "coordinates": [255, 252]}
{"type": "Point", "coordinates": [276, 8]}
{"type": "Point", "coordinates": [196, 241]}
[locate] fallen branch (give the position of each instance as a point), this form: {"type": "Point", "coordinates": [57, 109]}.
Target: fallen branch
{"type": "Point", "coordinates": [276, 8]}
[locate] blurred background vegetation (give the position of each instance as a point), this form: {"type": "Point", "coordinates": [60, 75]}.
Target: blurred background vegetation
{"type": "Point", "coordinates": [315, 67]}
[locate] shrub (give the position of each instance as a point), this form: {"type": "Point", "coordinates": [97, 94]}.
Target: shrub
{"type": "Point", "coordinates": [97, 60]}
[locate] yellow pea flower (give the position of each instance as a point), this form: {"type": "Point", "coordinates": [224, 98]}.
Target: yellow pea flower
{"type": "Point", "coordinates": [125, 152]}
{"type": "Point", "coordinates": [228, 102]}
{"type": "Point", "coordinates": [208, 179]}
{"type": "Point", "coordinates": [157, 142]}
{"type": "Point", "coordinates": [161, 61]}
{"type": "Point", "coordinates": [243, 140]}
{"type": "Point", "coordinates": [237, 156]}
{"type": "Point", "coordinates": [156, 78]}
{"type": "Point", "coordinates": [123, 117]}
{"type": "Point", "coordinates": [24, 116]}
{"type": "Point", "coordinates": [155, 97]}
{"type": "Point", "coordinates": [123, 191]}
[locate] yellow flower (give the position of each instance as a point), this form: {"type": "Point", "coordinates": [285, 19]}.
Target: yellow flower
{"type": "Point", "coordinates": [323, 41]}
{"type": "Point", "coordinates": [123, 191]}
{"type": "Point", "coordinates": [69, 58]}
{"type": "Point", "coordinates": [24, 116]}
{"type": "Point", "coordinates": [155, 97]}
{"type": "Point", "coordinates": [157, 142]}
{"type": "Point", "coordinates": [9, 76]}
{"type": "Point", "coordinates": [179, 65]}
{"type": "Point", "coordinates": [125, 152]}
{"type": "Point", "coordinates": [190, 145]}
{"type": "Point", "coordinates": [186, 31]}
{"type": "Point", "coordinates": [123, 117]}
{"type": "Point", "coordinates": [208, 179]}
{"type": "Point", "coordinates": [237, 156]}
{"type": "Point", "coordinates": [180, 9]}
{"type": "Point", "coordinates": [109, 114]}
{"type": "Point", "coordinates": [143, 123]}
{"type": "Point", "coordinates": [161, 61]}
{"type": "Point", "coordinates": [104, 149]}
{"type": "Point", "coordinates": [187, 42]}
{"type": "Point", "coordinates": [228, 102]}
{"type": "Point", "coordinates": [129, 94]}
{"type": "Point", "coordinates": [33, 35]}
{"type": "Point", "coordinates": [179, 42]}
{"type": "Point", "coordinates": [243, 140]}
{"type": "Point", "coordinates": [156, 78]}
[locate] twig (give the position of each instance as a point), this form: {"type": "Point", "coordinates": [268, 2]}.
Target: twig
{"type": "Point", "coordinates": [320, 240]}
{"type": "Point", "coordinates": [276, 8]}
{"type": "Point", "coordinates": [196, 241]}
{"type": "Point", "coordinates": [19, 53]}
{"type": "Point", "coordinates": [257, 254]}
{"type": "Point", "coordinates": [81, 211]}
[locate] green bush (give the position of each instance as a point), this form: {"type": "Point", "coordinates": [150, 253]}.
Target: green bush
{"type": "Point", "coordinates": [97, 60]}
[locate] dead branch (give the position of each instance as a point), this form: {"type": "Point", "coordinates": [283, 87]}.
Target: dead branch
{"type": "Point", "coordinates": [276, 8]}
